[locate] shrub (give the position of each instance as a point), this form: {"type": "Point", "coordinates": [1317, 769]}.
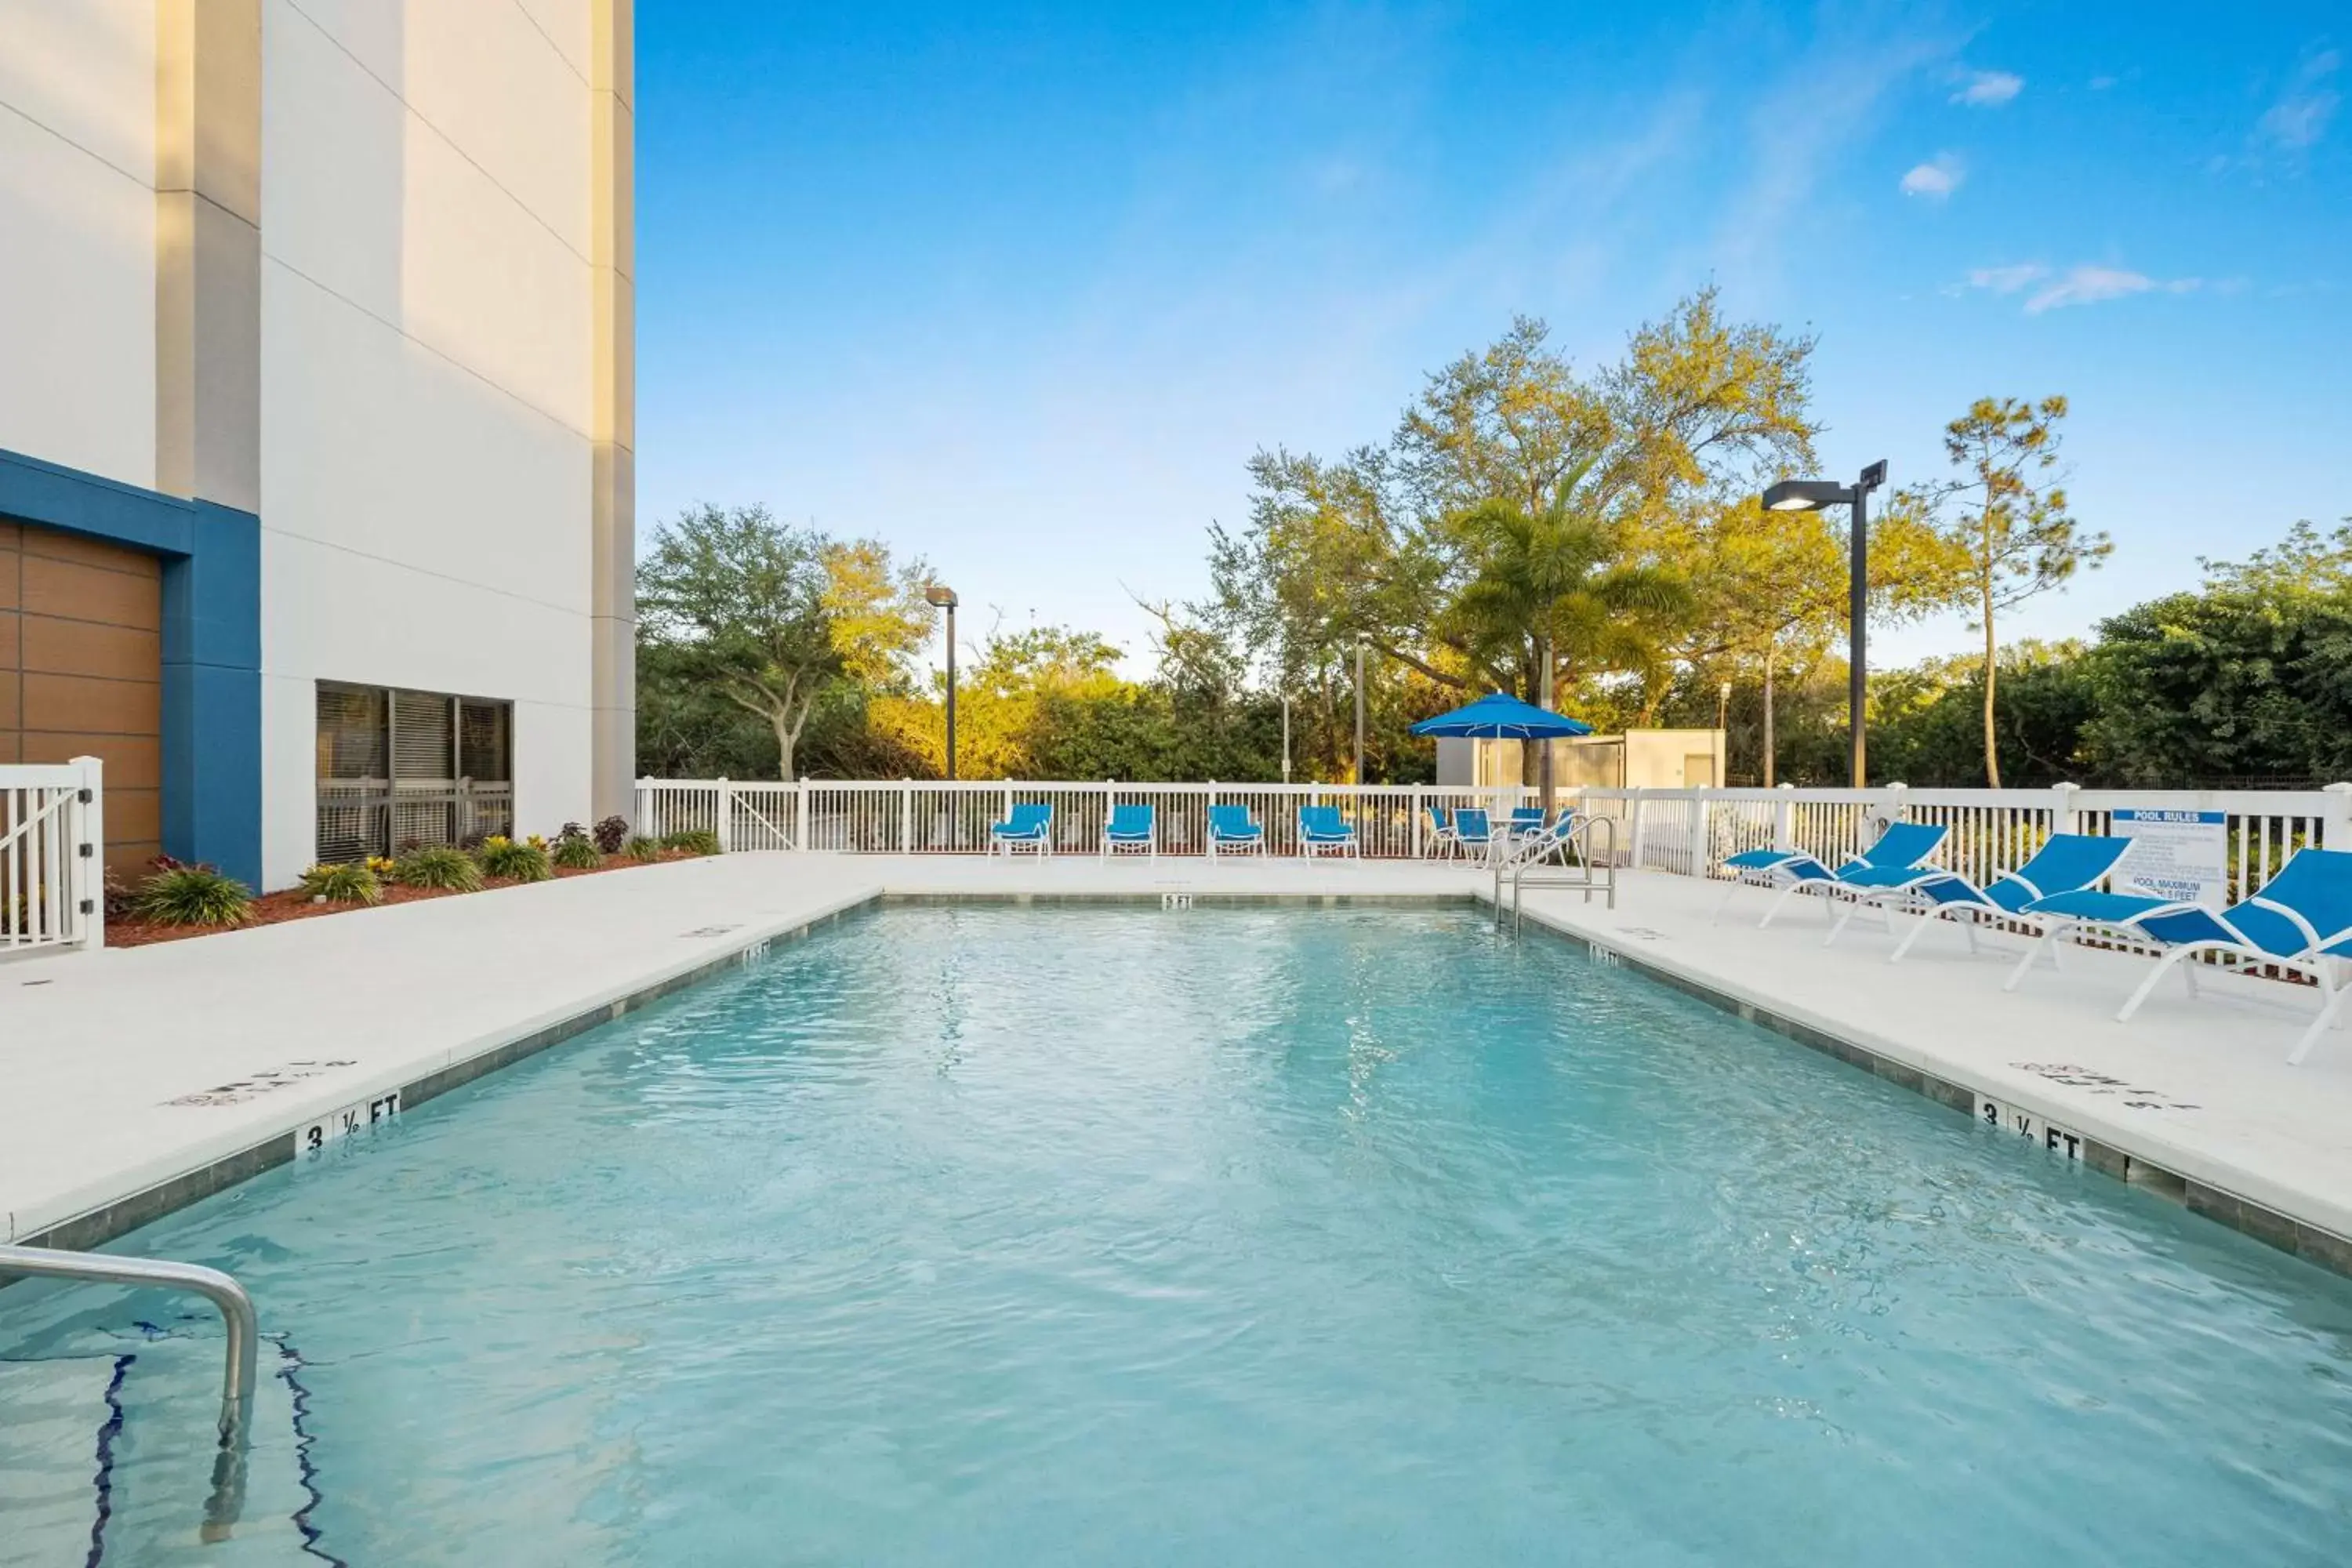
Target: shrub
{"type": "Point", "coordinates": [612, 834]}
{"type": "Point", "coordinates": [502, 856]}
{"type": "Point", "coordinates": [439, 867]}
{"type": "Point", "coordinates": [184, 895]}
{"type": "Point", "coordinates": [352, 882]}
{"type": "Point", "coordinates": [693, 841]}
{"type": "Point", "coordinates": [638, 848]}
{"type": "Point", "coordinates": [576, 852]}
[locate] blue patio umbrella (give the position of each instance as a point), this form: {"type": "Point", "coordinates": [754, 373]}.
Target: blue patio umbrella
{"type": "Point", "coordinates": [1497, 716]}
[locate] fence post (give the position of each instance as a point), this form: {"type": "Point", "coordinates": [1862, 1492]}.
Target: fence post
{"type": "Point", "coordinates": [1634, 812]}
{"type": "Point", "coordinates": [1702, 848]}
{"type": "Point", "coordinates": [905, 816]}
{"type": "Point", "coordinates": [2336, 828]}
{"type": "Point", "coordinates": [644, 808]}
{"type": "Point", "coordinates": [2063, 818]}
{"type": "Point", "coordinates": [726, 824]}
{"type": "Point", "coordinates": [89, 839]}
{"type": "Point", "coordinates": [1417, 815]}
{"type": "Point", "coordinates": [1784, 819]}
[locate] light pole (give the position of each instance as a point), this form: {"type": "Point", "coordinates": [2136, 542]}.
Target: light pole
{"type": "Point", "coordinates": [1811, 495]}
{"type": "Point", "coordinates": [1360, 640]}
{"type": "Point", "coordinates": [943, 598]}
{"type": "Point", "coordinates": [1723, 705]}
{"type": "Point", "coordinates": [1286, 736]}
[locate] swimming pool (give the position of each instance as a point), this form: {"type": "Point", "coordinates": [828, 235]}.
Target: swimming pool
{"type": "Point", "coordinates": [983, 1234]}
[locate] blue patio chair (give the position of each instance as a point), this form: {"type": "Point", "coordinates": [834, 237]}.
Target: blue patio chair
{"type": "Point", "coordinates": [1231, 832]}
{"type": "Point", "coordinates": [1473, 832]}
{"type": "Point", "coordinates": [1533, 847]}
{"type": "Point", "coordinates": [1901, 852]}
{"type": "Point", "coordinates": [1323, 831]}
{"type": "Point", "coordinates": [1526, 822]}
{"type": "Point", "coordinates": [2066, 863]}
{"type": "Point", "coordinates": [1442, 841]}
{"type": "Point", "coordinates": [1132, 829]}
{"type": "Point", "coordinates": [1031, 827]}
{"type": "Point", "coordinates": [2301, 920]}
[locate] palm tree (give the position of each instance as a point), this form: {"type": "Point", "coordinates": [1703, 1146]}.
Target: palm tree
{"type": "Point", "coordinates": [1554, 587]}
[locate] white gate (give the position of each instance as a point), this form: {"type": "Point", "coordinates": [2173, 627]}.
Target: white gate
{"type": "Point", "coordinates": [52, 856]}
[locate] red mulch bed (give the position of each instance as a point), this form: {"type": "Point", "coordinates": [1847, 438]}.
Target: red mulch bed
{"type": "Point", "coordinates": [271, 909]}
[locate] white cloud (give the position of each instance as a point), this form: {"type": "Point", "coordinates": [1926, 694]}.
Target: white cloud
{"type": "Point", "coordinates": [1989, 89]}
{"type": "Point", "coordinates": [2101, 83]}
{"type": "Point", "coordinates": [1935, 179]}
{"type": "Point", "coordinates": [2300, 117]}
{"type": "Point", "coordinates": [2087, 283]}
{"type": "Point", "coordinates": [2007, 280]}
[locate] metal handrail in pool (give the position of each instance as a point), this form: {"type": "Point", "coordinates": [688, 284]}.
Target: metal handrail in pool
{"type": "Point", "coordinates": [1584, 877]}
{"type": "Point", "coordinates": [236, 1309]}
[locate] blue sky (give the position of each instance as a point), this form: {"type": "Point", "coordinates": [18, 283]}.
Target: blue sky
{"type": "Point", "coordinates": [1019, 288]}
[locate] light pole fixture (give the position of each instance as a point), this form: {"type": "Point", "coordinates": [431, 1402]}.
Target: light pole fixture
{"type": "Point", "coordinates": [1723, 705]}
{"type": "Point", "coordinates": [1811, 495]}
{"type": "Point", "coordinates": [1361, 641]}
{"type": "Point", "coordinates": [939, 596]}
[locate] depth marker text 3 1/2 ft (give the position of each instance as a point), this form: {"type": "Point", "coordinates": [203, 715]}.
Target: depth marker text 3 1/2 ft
{"type": "Point", "coordinates": [342, 1123]}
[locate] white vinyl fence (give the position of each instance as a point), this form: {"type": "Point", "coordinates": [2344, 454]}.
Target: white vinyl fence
{"type": "Point", "coordinates": [899, 817]}
{"type": "Point", "coordinates": [1687, 832]}
{"type": "Point", "coordinates": [52, 856]}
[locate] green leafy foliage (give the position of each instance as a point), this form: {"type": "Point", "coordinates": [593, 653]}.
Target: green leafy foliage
{"type": "Point", "coordinates": [692, 841]}
{"type": "Point", "coordinates": [350, 882]}
{"type": "Point", "coordinates": [510, 861]}
{"type": "Point", "coordinates": [438, 867]}
{"type": "Point", "coordinates": [640, 848]}
{"type": "Point", "coordinates": [188, 895]}
{"type": "Point", "coordinates": [574, 850]}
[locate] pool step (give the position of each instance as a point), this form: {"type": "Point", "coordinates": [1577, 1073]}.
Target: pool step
{"type": "Point", "coordinates": [109, 1456]}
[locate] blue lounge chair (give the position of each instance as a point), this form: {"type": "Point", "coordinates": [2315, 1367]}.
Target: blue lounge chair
{"type": "Point", "coordinates": [1132, 829]}
{"type": "Point", "coordinates": [1443, 841]}
{"type": "Point", "coordinates": [2301, 920]}
{"type": "Point", "coordinates": [1231, 832]}
{"type": "Point", "coordinates": [2066, 863]}
{"type": "Point", "coordinates": [1323, 831]}
{"type": "Point", "coordinates": [1031, 827]}
{"type": "Point", "coordinates": [1901, 852]}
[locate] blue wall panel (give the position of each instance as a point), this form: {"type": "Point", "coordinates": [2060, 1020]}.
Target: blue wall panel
{"type": "Point", "coordinates": [212, 645]}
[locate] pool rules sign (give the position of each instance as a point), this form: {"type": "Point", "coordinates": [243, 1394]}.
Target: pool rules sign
{"type": "Point", "coordinates": [2178, 855]}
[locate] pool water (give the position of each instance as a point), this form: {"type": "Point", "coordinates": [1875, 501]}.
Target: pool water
{"type": "Point", "coordinates": [999, 1235]}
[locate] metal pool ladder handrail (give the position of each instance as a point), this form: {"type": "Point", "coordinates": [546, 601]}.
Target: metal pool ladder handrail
{"type": "Point", "coordinates": [236, 1309]}
{"type": "Point", "coordinates": [1585, 877]}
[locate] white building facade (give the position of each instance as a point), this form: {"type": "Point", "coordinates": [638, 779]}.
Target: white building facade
{"type": "Point", "coordinates": [316, 417]}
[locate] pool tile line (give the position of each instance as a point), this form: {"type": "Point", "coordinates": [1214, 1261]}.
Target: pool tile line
{"type": "Point", "coordinates": [2313, 1243]}
{"type": "Point", "coordinates": [99, 1225]}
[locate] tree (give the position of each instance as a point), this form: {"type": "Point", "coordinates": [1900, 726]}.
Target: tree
{"type": "Point", "coordinates": [1557, 584]}
{"type": "Point", "coordinates": [773, 619]}
{"type": "Point", "coordinates": [1376, 546]}
{"type": "Point", "coordinates": [2012, 527]}
{"type": "Point", "coordinates": [2248, 678]}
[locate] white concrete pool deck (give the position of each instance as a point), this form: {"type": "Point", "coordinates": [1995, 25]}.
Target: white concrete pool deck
{"type": "Point", "coordinates": [123, 1071]}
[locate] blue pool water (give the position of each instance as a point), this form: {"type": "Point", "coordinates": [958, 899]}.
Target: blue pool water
{"type": "Point", "coordinates": [985, 1235]}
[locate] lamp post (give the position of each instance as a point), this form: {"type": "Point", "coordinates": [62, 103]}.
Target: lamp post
{"type": "Point", "coordinates": [1360, 640]}
{"type": "Point", "coordinates": [1811, 495]}
{"type": "Point", "coordinates": [1723, 705]}
{"type": "Point", "coordinates": [939, 596]}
